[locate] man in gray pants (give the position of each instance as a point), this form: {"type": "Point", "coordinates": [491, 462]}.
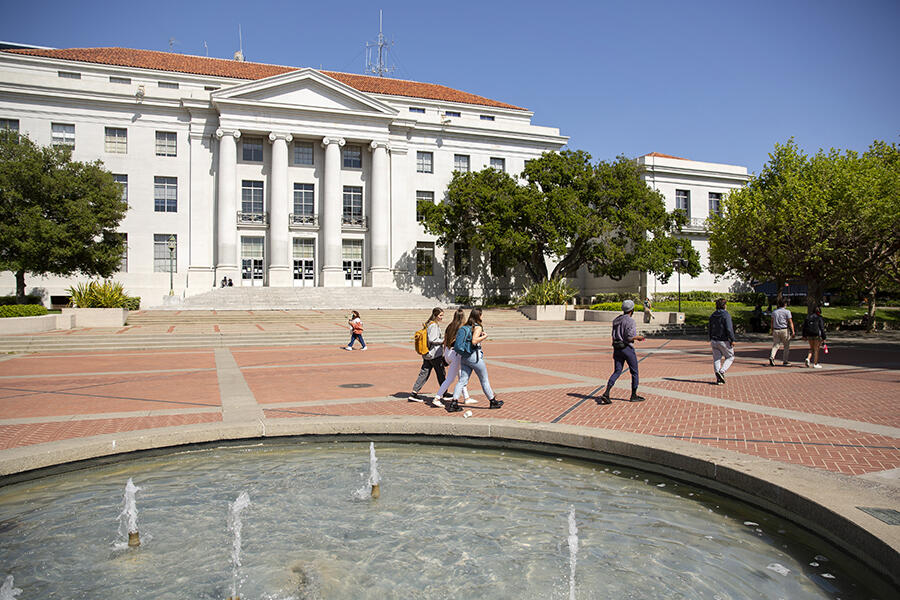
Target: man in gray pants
{"type": "Point", "coordinates": [721, 338]}
{"type": "Point", "coordinates": [782, 331]}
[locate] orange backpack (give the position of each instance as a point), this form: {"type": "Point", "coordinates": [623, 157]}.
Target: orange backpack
{"type": "Point", "coordinates": [420, 340]}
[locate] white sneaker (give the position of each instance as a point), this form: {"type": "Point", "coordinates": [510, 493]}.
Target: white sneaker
{"type": "Point", "coordinates": [347, 348]}
{"type": "Point", "coordinates": [806, 360]}
{"type": "Point", "coordinates": [470, 401]}
{"type": "Point", "coordinates": [437, 402]}
{"type": "Point", "coordinates": [364, 348]}
{"type": "Point", "coordinates": [817, 366]}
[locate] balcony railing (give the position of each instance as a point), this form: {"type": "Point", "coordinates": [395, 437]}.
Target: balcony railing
{"type": "Point", "coordinates": [303, 220]}
{"type": "Point", "coordinates": [695, 224]}
{"type": "Point", "coordinates": [354, 221]}
{"type": "Point", "coordinates": [252, 218]}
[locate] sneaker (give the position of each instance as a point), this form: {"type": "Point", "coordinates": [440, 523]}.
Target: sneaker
{"type": "Point", "coordinates": [785, 364]}
{"type": "Point", "coordinates": [494, 403]}
{"type": "Point", "coordinates": [347, 348]}
{"type": "Point", "coordinates": [636, 398]}
{"type": "Point", "coordinates": [722, 377]}
{"type": "Point", "coordinates": [817, 366]}
{"type": "Point", "coordinates": [364, 348]}
{"type": "Point", "coordinates": [437, 403]}
{"type": "Point", "coordinates": [719, 380]}
{"type": "Point", "coordinates": [806, 360]}
{"type": "Point", "coordinates": [771, 362]}
{"type": "Point", "coordinates": [453, 407]}
{"type": "Point", "coordinates": [470, 401]}
{"type": "Point", "coordinates": [413, 397]}
{"type": "Point", "coordinates": [603, 399]}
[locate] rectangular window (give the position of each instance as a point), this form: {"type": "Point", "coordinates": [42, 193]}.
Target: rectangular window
{"type": "Point", "coordinates": [162, 261]}
{"type": "Point", "coordinates": [497, 269]}
{"type": "Point", "coordinates": [487, 117]}
{"type": "Point", "coordinates": [252, 149]}
{"type": "Point", "coordinates": [304, 202]}
{"type": "Point", "coordinates": [425, 259]}
{"type": "Point", "coordinates": [69, 75]}
{"type": "Point", "coordinates": [123, 264]}
{"type": "Point", "coordinates": [304, 249]}
{"type": "Point", "coordinates": [10, 124]}
{"type": "Point", "coordinates": [303, 153]}
{"type": "Point", "coordinates": [715, 203]}
{"type": "Point", "coordinates": [683, 201]}
{"type": "Point", "coordinates": [168, 84]}
{"type": "Point", "coordinates": [451, 113]}
{"type": "Point", "coordinates": [352, 157]}
{"type": "Point", "coordinates": [123, 181]}
{"type": "Point", "coordinates": [421, 198]}
{"type": "Point", "coordinates": [165, 194]}
{"type": "Point", "coordinates": [424, 162]}
{"type": "Point", "coordinates": [461, 163]}
{"type": "Point", "coordinates": [414, 109]}
{"type": "Point", "coordinates": [63, 134]}
{"type": "Point", "coordinates": [461, 259]}
{"type": "Point", "coordinates": [252, 197]}
{"type": "Point", "coordinates": [114, 79]}
{"type": "Point", "coordinates": [498, 163]}
{"type": "Point", "coordinates": [353, 208]}
{"type": "Point", "coordinates": [166, 143]}
{"type": "Point", "coordinates": [116, 140]}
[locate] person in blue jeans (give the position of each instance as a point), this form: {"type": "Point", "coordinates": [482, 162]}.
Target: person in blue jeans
{"type": "Point", "coordinates": [356, 329]}
{"type": "Point", "coordinates": [624, 334]}
{"type": "Point", "coordinates": [474, 362]}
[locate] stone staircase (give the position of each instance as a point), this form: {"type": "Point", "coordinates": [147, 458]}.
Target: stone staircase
{"type": "Point", "coordinates": [302, 298]}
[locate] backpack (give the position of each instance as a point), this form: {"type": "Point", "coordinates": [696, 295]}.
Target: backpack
{"type": "Point", "coordinates": [420, 341]}
{"type": "Point", "coordinates": [811, 326]}
{"type": "Point", "coordinates": [462, 345]}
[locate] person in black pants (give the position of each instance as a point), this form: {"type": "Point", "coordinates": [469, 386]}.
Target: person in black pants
{"type": "Point", "coordinates": [624, 334]}
{"type": "Point", "coordinates": [434, 359]}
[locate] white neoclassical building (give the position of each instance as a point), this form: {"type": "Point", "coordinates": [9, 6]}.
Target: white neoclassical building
{"type": "Point", "coordinates": [282, 176]}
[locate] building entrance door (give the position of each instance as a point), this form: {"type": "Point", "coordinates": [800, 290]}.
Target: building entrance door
{"type": "Point", "coordinates": [253, 261]}
{"type": "Point", "coordinates": [352, 251]}
{"type": "Point", "coordinates": [304, 262]}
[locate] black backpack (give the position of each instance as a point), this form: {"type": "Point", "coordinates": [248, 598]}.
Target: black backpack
{"type": "Point", "coordinates": [811, 326]}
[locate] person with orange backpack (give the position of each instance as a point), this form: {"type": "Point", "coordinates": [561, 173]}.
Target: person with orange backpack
{"type": "Point", "coordinates": [432, 355]}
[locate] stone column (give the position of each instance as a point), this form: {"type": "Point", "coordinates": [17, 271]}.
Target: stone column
{"type": "Point", "coordinates": [330, 215]}
{"type": "Point", "coordinates": [379, 217]}
{"type": "Point", "coordinates": [226, 215]}
{"type": "Point", "coordinates": [200, 273]}
{"type": "Point", "coordinates": [279, 197]}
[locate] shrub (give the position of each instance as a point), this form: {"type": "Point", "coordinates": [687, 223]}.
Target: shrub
{"type": "Point", "coordinates": [615, 297]}
{"type": "Point", "coordinates": [94, 294]}
{"type": "Point", "coordinates": [6, 300]}
{"type": "Point", "coordinates": [553, 291]}
{"type": "Point", "coordinates": [133, 303]}
{"type": "Point", "coordinates": [464, 300]}
{"type": "Point", "coordinates": [496, 301]}
{"type": "Point", "coordinates": [617, 306]}
{"type": "Point", "coordinates": [22, 310]}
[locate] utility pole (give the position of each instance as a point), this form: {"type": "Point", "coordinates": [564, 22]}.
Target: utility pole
{"type": "Point", "coordinates": [380, 48]}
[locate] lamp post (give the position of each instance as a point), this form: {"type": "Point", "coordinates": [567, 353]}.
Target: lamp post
{"type": "Point", "coordinates": [171, 244]}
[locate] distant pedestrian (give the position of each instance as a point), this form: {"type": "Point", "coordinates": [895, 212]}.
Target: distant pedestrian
{"type": "Point", "coordinates": [356, 329]}
{"type": "Point", "coordinates": [224, 281]}
{"type": "Point", "coordinates": [814, 333]}
{"type": "Point", "coordinates": [433, 360]}
{"type": "Point", "coordinates": [756, 319]}
{"type": "Point", "coordinates": [230, 282]}
{"type": "Point", "coordinates": [452, 359]}
{"type": "Point", "coordinates": [782, 330]}
{"type": "Point", "coordinates": [624, 334]}
{"type": "Point", "coordinates": [721, 338]}
{"type": "Point", "coordinates": [648, 314]}
{"type": "Point", "coordinates": [468, 345]}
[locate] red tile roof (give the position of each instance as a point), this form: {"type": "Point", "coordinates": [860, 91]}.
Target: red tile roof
{"type": "Point", "coordinates": [220, 67]}
{"type": "Point", "coordinates": [660, 155]}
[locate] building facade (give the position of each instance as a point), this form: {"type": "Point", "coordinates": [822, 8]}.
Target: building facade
{"type": "Point", "coordinates": [279, 176]}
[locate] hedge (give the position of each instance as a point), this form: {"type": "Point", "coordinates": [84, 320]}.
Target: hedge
{"type": "Point", "coordinates": [22, 310]}
{"type": "Point", "coordinates": [6, 300]}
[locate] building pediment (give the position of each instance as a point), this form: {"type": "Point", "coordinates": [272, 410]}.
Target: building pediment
{"type": "Point", "coordinates": [305, 89]}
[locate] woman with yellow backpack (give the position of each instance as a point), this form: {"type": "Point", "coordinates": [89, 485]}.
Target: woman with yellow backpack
{"type": "Point", "coordinates": [433, 358]}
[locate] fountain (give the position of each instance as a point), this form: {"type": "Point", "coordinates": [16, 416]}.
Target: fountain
{"type": "Point", "coordinates": [460, 522]}
{"type": "Point", "coordinates": [128, 516]}
{"type": "Point", "coordinates": [8, 591]}
{"type": "Point", "coordinates": [374, 478]}
{"type": "Point", "coordinates": [234, 526]}
{"type": "Point", "coordinates": [573, 552]}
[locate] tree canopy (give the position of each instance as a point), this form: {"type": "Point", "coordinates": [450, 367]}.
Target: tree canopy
{"type": "Point", "coordinates": [569, 210]}
{"type": "Point", "coordinates": [830, 220]}
{"type": "Point", "coordinates": [57, 216]}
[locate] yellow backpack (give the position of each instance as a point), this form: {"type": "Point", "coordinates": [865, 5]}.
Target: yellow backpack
{"type": "Point", "coordinates": [420, 340]}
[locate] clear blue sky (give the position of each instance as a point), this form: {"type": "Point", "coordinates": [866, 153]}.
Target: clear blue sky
{"type": "Point", "coordinates": [719, 81]}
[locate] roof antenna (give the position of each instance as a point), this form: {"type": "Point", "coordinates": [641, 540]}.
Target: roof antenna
{"type": "Point", "coordinates": [172, 42]}
{"type": "Point", "coordinates": [378, 68]}
{"type": "Point", "coordinates": [239, 55]}
{"type": "Point", "coordinates": [205, 47]}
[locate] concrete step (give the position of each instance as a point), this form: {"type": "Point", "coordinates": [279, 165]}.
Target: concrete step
{"type": "Point", "coordinates": [269, 298]}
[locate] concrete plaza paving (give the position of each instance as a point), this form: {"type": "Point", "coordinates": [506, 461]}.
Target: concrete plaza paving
{"type": "Point", "coordinates": [843, 418]}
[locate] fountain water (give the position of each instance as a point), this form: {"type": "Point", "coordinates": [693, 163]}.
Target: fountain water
{"type": "Point", "coordinates": [573, 552]}
{"type": "Point", "coordinates": [374, 477]}
{"type": "Point", "coordinates": [8, 591]}
{"type": "Point", "coordinates": [128, 517]}
{"type": "Point", "coordinates": [235, 525]}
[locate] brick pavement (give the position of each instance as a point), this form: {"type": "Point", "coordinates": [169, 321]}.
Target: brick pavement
{"type": "Point", "coordinates": [844, 418]}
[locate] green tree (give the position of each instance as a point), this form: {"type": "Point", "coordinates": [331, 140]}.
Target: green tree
{"type": "Point", "coordinates": [57, 216]}
{"type": "Point", "coordinates": [829, 220]}
{"type": "Point", "coordinates": [601, 216]}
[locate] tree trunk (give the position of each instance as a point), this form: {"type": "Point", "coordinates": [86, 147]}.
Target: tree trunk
{"type": "Point", "coordinates": [20, 286]}
{"type": "Point", "coordinates": [537, 267]}
{"type": "Point", "coordinates": [814, 292]}
{"type": "Point", "coordinates": [870, 313]}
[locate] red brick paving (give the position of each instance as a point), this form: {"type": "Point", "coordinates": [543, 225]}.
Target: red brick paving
{"type": "Point", "coordinates": [313, 375]}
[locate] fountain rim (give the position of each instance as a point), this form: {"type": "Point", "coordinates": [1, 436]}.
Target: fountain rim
{"type": "Point", "coordinates": [822, 502]}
